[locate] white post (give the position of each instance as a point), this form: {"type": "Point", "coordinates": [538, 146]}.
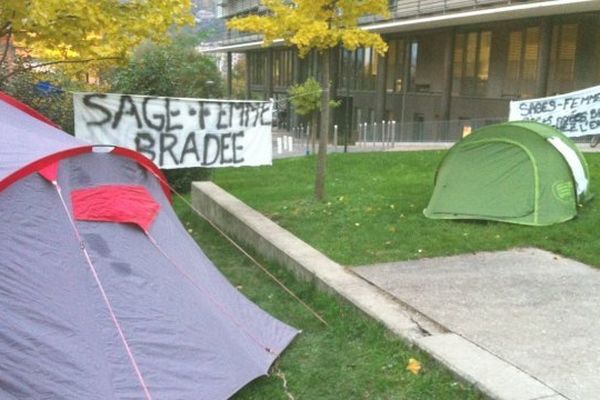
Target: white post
{"type": "Point", "coordinates": [335, 137]}
{"type": "Point", "coordinates": [279, 146]}
{"type": "Point", "coordinates": [388, 134]}
{"type": "Point", "coordinates": [284, 142]}
{"type": "Point", "coordinates": [383, 131]}
{"type": "Point", "coordinates": [360, 135]}
{"type": "Point", "coordinates": [393, 133]}
{"type": "Point", "coordinates": [374, 136]}
{"type": "Point", "coordinates": [290, 143]}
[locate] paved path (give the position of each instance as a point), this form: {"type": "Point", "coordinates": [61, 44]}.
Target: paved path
{"type": "Point", "coordinates": [537, 311]}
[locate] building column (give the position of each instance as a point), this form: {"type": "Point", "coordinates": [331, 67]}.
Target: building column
{"type": "Point", "coordinates": [446, 100]}
{"type": "Point", "coordinates": [585, 59]}
{"type": "Point", "coordinates": [268, 87]}
{"type": "Point", "coordinates": [404, 88]}
{"type": "Point", "coordinates": [248, 75]}
{"type": "Point", "coordinates": [543, 67]}
{"type": "Point", "coordinates": [229, 75]}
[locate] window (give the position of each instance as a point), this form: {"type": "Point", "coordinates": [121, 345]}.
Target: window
{"type": "Point", "coordinates": [359, 69]}
{"type": "Point", "coordinates": [522, 62]}
{"type": "Point", "coordinates": [282, 68]}
{"type": "Point", "coordinates": [395, 65]}
{"type": "Point", "coordinates": [257, 63]}
{"type": "Point", "coordinates": [414, 57]}
{"type": "Point", "coordinates": [471, 63]}
{"type": "Point", "coordinates": [562, 58]}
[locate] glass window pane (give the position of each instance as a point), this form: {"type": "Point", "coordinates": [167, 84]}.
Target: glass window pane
{"type": "Point", "coordinates": [515, 47]}
{"type": "Point", "coordinates": [459, 55]}
{"type": "Point", "coordinates": [391, 65]}
{"type": "Point", "coordinates": [400, 50]}
{"type": "Point", "coordinates": [471, 56]}
{"type": "Point", "coordinates": [566, 52]}
{"type": "Point", "coordinates": [484, 56]}
{"type": "Point", "coordinates": [532, 44]}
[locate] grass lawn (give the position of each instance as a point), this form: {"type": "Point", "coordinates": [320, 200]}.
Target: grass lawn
{"type": "Point", "coordinates": [352, 358]}
{"type": "Point", "coordinates": [373, 211]}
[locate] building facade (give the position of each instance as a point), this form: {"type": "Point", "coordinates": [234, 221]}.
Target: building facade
{"type": "Point", "coordinates": [450, 63]}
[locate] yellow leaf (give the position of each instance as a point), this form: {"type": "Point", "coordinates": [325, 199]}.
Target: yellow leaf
{"type": "Point", "coordinates": [414, 366]}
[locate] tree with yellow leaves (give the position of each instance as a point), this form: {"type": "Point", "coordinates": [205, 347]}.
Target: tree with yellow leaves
{"type": "Point", "coordinates": [82, 31]}
{"type": "Point", "coordinates": [317, 25]}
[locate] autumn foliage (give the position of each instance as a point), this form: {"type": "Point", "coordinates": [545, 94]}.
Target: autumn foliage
{"type": "Point", "coordinates": [316, 24]}
{"type": "Point", "coordinates": [320, 25]}
{"type": "Point", "coordinates": [76, 30]}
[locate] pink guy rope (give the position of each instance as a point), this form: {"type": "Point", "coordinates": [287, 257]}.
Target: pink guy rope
{"type": "Point", "coordinates": [221, 306]}
{"type": "Point", "coordinates": [104, 296]}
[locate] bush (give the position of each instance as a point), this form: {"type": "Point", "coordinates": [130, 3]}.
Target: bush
{"type": "Point", "coordinates": [47, 92]}
{"type": "Point", "coordinates": [176, 70]}
{"type": "Point", "coordinates": [181, 178]}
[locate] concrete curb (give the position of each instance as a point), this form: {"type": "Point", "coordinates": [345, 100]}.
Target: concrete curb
{"type": "Point", "coordinates": [492, 375]}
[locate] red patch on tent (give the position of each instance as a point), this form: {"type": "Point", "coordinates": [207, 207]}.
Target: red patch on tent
{"type": "Point", "coordinates": [116, 203]}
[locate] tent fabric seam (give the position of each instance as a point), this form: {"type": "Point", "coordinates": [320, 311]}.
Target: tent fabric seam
{"type": "Point", "coordinates": [533, 163]}
{"type": "Point", "coordinates": [43, 162]}
{"type": "Point", "coordinates": [103, 293]}
{"type": "Point", "coordinates": [211, 297]}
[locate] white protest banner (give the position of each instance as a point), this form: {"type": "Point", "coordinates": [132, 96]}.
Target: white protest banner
{"type": "Point", "coordinates": [575, 114]}
{"type": "Point", "coordinates": [177, 132]}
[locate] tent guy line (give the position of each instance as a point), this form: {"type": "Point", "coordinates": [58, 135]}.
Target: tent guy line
{"type": "Point", "coordinates": [244, 252]}
{"type": "Point", "coordinates": [90, 309]}
{"type": "Point", "coordinates": [212, 298]}
{"type": "Point", "coordinates": [111, 311]}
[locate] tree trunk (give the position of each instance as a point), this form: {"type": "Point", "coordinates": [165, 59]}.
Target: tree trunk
{"type": "Point", "coordinates": [324, 134]}
{"type": "Point", "coordinates": [314, 125]}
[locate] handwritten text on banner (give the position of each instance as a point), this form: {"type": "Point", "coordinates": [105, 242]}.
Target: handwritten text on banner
{"type": "Point", "coordinates": [575, 114]}
{"type": "Point", "coordinates": [178, 133]}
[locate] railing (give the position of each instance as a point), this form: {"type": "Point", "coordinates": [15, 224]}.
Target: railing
{"type": "Point", "coordinates": [399, 9]}
{"type": "Point", "coordinates": [387, 134]}
{"type": "Point", "coordinates": [415, 8]}
{"type": "Point", "coordinates": [229, 8]}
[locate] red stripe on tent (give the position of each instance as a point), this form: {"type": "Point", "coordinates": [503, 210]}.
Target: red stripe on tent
{"type": "Point", "coordinates": [149, 165]}
{"type": "Point", "coordinates": [42, 163]}
{"type": "Point", "coordinates": [45, 162]}
{"type": "Point", "coordinates": [50, 172]}
{"type": "Point", "coordinates": [115, 203]}
{"type": "Point", "coordinates": [26, 109]}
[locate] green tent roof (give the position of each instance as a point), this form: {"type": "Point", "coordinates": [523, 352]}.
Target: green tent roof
{"type": "Point", "coordinates": [521, 172]}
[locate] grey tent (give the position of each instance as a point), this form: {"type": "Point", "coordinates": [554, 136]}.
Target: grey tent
{"type": "Point", "coordinates": [103, 294]}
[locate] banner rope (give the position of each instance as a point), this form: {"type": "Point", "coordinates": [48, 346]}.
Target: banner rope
{"type": "Point", "coordinates": [245, 253]}
{"type": "Point", "coordinates": [103, 293]}
{"type": "Point", "coordinates": [283, 100]}
{"type": "Point", "coordinates": [286, 99]}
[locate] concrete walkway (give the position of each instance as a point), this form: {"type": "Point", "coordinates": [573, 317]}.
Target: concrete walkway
{"type": "Point", "coordinates": [535, 310]}
{"type": "Point", "coordinates": [518, 325]}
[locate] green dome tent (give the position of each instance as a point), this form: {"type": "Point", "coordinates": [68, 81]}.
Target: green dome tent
{"type": "Point", "coordinates": [521, 172]}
